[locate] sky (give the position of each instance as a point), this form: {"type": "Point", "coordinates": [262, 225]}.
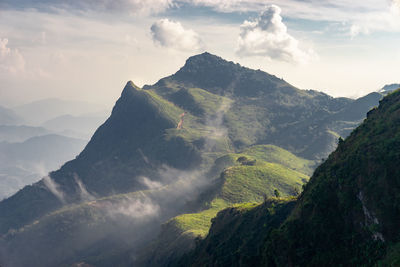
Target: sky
{"type": "Point", "coordinates": [88, 49]}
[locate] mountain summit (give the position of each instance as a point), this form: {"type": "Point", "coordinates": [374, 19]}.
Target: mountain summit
{"type": "Point", "coordinates": [222, 77]}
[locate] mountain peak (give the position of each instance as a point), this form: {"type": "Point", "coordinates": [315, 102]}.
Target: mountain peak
{"type": "Point", "coordinates": [222, 77]}
{"type": "Point", "coordinates": [205, 63]}
{"type": "Point", "coordinates": [132, 84]}
{"type": "Point", "coordinates": [206, 57]}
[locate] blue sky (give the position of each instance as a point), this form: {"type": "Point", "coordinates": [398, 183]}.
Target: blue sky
{"type": "Point", "coordinates": [88, 49]}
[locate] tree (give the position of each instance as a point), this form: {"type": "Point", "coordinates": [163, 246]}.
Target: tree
{"type": "Point", "coordinates": [340, 140]}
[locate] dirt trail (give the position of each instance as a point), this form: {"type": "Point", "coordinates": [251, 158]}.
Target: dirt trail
{"type": "Point", "coordinates": [180, 124]}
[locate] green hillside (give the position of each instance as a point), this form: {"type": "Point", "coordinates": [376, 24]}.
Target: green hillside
{"type": "Point", "coordinates": [246, 181]}
{"type": "Point", "coordinates": [347, 215]}
{"type": "Point", "coordinates": [237, 235]}
{"type": "Point", "coordinates": [243, 184]}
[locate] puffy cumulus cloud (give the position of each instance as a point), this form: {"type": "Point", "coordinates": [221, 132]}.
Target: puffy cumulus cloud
{"type": "Point", "coordinates": [11, 60]}
{"type": "Point", "coordinates": [131, 6]}
{"type": "Point", "coordinates": [386, 20]}
{"type": "Point", "coordinates": [366, 16]}
{"type": "Point", "coordinates": [267, 36]}
{"type": "Point", "coordinates": [171, 34]}
{"type": "Point", "coordinates": [395, 7]}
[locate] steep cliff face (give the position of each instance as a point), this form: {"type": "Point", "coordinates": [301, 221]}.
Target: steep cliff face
{"type": "Point", "coordinates": [349, 211]}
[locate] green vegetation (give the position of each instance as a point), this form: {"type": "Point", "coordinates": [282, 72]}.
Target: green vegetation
{"type": "Point", "coordinates": [246, 184]}
{"type": "Point", "coordinates": [246, 180]}
{"type": "Point", "coordinates": [237, 234]}
{"type": "Point", "coordinates": [347, 215]}
{"type": "Point", "coordinates": [281, 156]}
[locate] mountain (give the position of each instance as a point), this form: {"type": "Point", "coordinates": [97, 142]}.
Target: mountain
{"type": "Point", "coordinates": [159, 155]}
{"type": "Point", "coordinates": [348, 213]}
{"type": "Point", "coordinates": [8, 117]}
{"type": "Point", "coordinates": [37, 112]}
{"type": "Point", "coordinates": [12, 133]}
{"type": "Point", "coordinates": [24, 163]}
{"type": "Point", "coordinates": [271, 111]}
{"type": "Point", "coordinates": [389, 88]}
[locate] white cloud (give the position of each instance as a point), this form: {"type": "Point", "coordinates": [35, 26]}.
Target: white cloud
{"type": "Point", "coordinates": [267, 36]}
{"type": "Point", "coordinates": [130, 6]}
{"type": "Point", "coordinates": [11, 60]}
{"type": "Point", "coordinates": [366, 16]}
{"type": "Point", "coordinates": [357, 29]}
{"type": "Point", "coordinates": [53, 187]}
{"type": "Point", "coordinates": [150, 184]}
{"type": "Point", "coordinates": [171, 34]}
{"type": "Point", "coordinates": [136, 208]}
{"type": "Point", "coordinates": [395, 7]}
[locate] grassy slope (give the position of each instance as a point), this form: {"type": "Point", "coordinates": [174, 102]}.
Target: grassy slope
{"type": "Point", "coordinates": [237, 233]}
{"type": "Point", "coordinates": [347, 215]}
{"type": "Point", "coordinates": [239, 186]}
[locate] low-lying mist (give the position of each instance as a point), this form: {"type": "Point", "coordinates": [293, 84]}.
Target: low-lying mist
{"type": "Point", "coordinates": [114, 228]}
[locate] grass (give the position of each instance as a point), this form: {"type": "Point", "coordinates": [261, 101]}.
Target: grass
{"type": "Point", "coordinates": [209, 102]}
{"type": "Point", "coordinates": [252, 183]}
{"type": "Point", "coordinates": [245, 187]}
{"type": "Point", "coordinates": [274, 154]}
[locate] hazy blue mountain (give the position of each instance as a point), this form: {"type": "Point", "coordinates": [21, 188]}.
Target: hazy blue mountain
{"type": "Point", "coordinates": [389, 88]}
{"type": "Point", "coordinates": [12, 133]}
{"type": "Point", "coordinates": [82, 126]}
{"type": "Point", "coordinates": [26, 162]}
{"type": "Point", "coordinates": [139, 162]}
{"type": "Point", "coordinates": [8, 117]}
{"type": "Point", "coordinates": [38, 112]}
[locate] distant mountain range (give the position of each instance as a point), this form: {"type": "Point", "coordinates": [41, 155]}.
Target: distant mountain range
{"type": "Point", "coordinates": [8, 117]}
{"type": "Point", "coordinates": [242, 130]}
{"type": "Point", "coordinates": [26, 162]}
{"type": "Point", "coordinates": [12, 133]}
{"type": "Point", "coordinates": [389, 88]}
{"type": "Point", "coordinates": [61, 137]}
{"type": "Point", "coordinates": [75, 126]}
{"type": "Point", "coordinates": [38, 112]}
